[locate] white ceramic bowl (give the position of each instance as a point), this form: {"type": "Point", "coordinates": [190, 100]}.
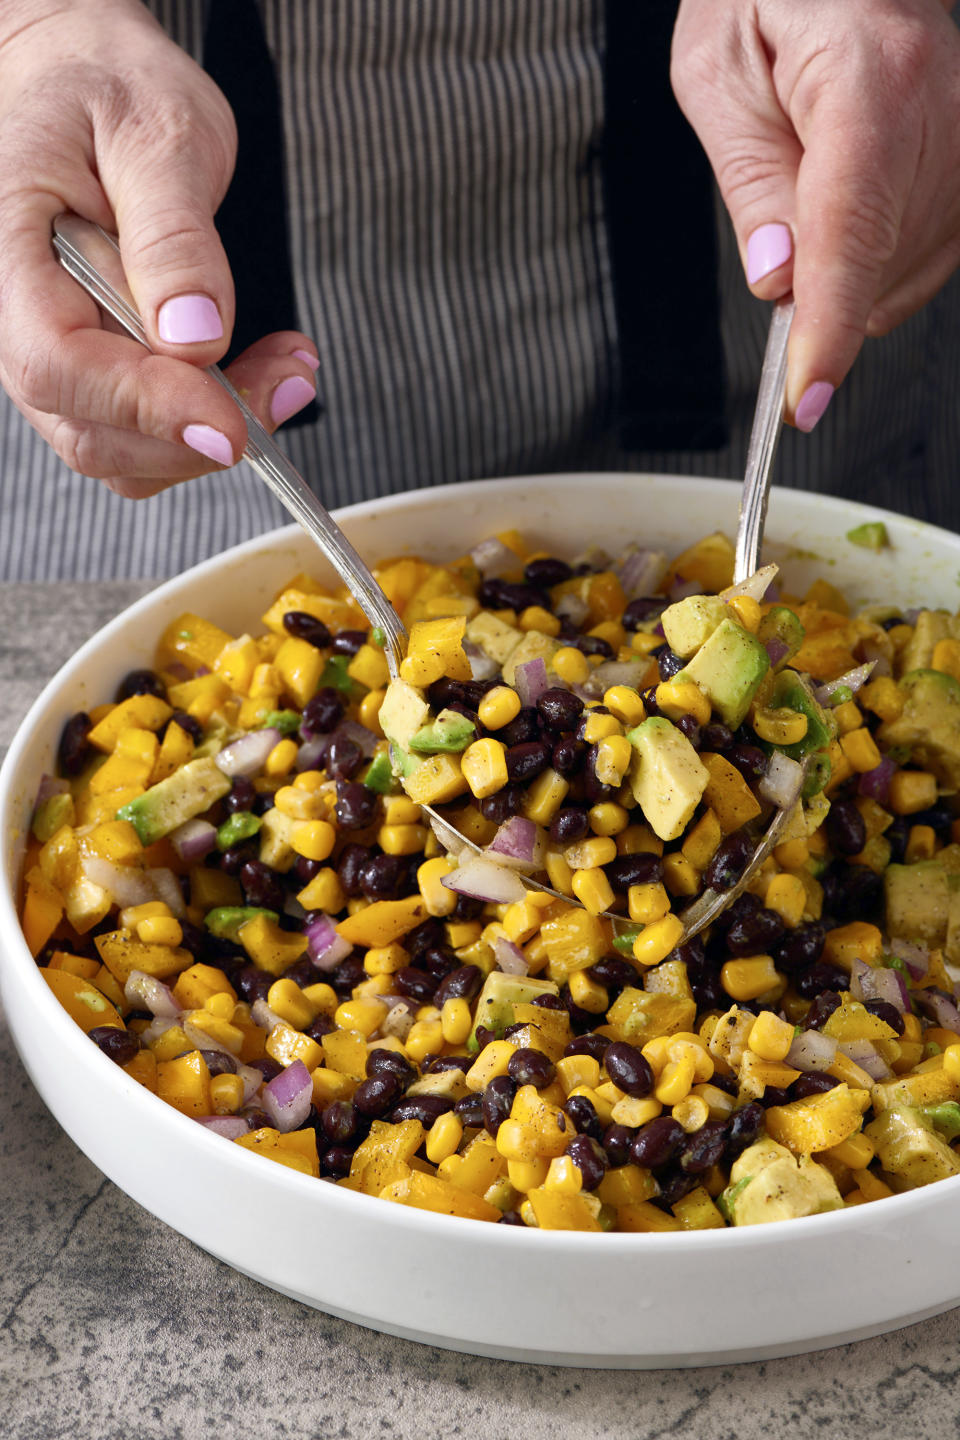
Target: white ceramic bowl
{"type": "Point", "coordinates": [602, 1300]}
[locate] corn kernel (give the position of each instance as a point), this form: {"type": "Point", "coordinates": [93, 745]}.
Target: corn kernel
{"type": "Point", "coordinates": [588, 993]}
{"type": "Point", "coordinates": [856, 1151]}
{"type": "Point", "coordinates": [521, 921]}
{"type": "Point", "coordinates": [385, 959]}
{"type": "Point", "coordinates": [577, 1070]}
{"type": "Point", "coordinates": [313, 839]}
{"type": "Point", "coordinates": [691, 1112]}
{"type": "Point", "coordinates": [456, 1021]}
{"type": "Point", "coordinates": [719, 1104]}
{"type": "Point", "coordinates": [401, 839]}
{"type": "Point", "coordinates": [498, 707]}
{"type": "Point", "coordinates": [921, 844]}
{"type": "Point", "coordinates": [570, 665]}
{"type": "Point", "coordinates": [444, 1137]}
{"type": "Point", "coordinates": [226, 1094]}
{"type": "Point", "coordinates": [281, 759]}
{"type": "Point", "coordinates": [779, 726]}
{"type": "Point", "coordinates": [438, 899]}
{"type": "Point", "coordinates": [860, 749]}
{"type": "Point", "coordinates": [312, 780]}
{"type": "Point", "coordinates": [544, 796]}
{"type": "Point", "coordinates": [748, 978]}
{"type": "Point", "coordinates": [679, 875]}
{"type": "Point", "coordinates": [159, 930]}
{"type": "Point", "coordinates": [484, 767]}
{"type": "Point", "coordinates": [614, 754]}
{"type": "Point", "coordinates": [425, 1038]}
{"type": "Point", "coordinates": [951, 1061]}
{"type": "Point", "coordinates": [647, 903]}
{"type": "Point", "coordinates": [564, 1176]}
{"type": "Point", "coordinates": [787, 895]}
{"type": "Point", "coordinates": [770, 1037]}
{"type": "Point", "coordinates": [656, 940]}
{"type": "Point", "coordinates": [747, 610]}
{"type": "Point", "coordinates": [363, 1015]}
{"type": "Point", "coordinates": [368, 711]}
{"type": "Point", "coordinates": [221, 1005]}
{"type": "Point", "coordinates": [946, 657]}
{"type": "Point", "coordinates": [131, 915]}
{"type": "Point", "coordinates": [400, 810]}
{"type": "Point", "coordinates": [592, 889]}
{"type": "Point", "coordinates": [635, 1112]}
{"type": "Point", "coordinates": [608, 818]}
{"type": "Point", "coordinates": [883, 697]}
{"type": "Point", "coordinates": [534, 617]}
{"type": "Point", "coordinates": [596, 850]}
{"type": "Point", "coordinates": [676, 1081]}
{"type": "Point", "coordinates": [597, 727]}
{"type": "Point", "coordinates": [492, 1060]}
{"type": "Point", "coordinates": [625, 703]}
{"type": "Point", "coordinates": [298, 803]}
{"type": "Point", "coordinates": [527, 1175]}
{"type": "Point", "coordinates": [676, 698]}
{"type": "Point", "coordinates": [324, 892]}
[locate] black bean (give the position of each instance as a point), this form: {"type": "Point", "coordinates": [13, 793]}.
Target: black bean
{"type": "Point", "coordinates": [531, 1067]}
{"type": "Point", "coordinates": [822, 976]}
{"type": "Point", "coordinates": [755, 934]}
{"type": "Point", "coordinates": [750, 760]}
{"type": "Point", "coordinates": [592, 1044]}
{"type": "Point", "coordinates": [525, 725]}
{"type": "Point", "coordinates": [497, 1101]}
{"type": "Point", "coordinates": [241, 796]}
{"type": "Point", "coordinates": [716, 736]}
{"type": "Point", "coordinates": [668, 663]}
{"type": "Point", "coordinates": [815, 1082]}
{"type": "Point", "coordinates": [252, 984]}
{"type": "Point", "coordinates": [356, 805]}
{"type": "Point", "coordinates": [374, 1096]}
{"type": "Point", "coordinates": [462, 984]}
{"type": "Point", "coordinates": [469, 1111]}
{"type": "Point", "coordinates": [584, 1116]}
{"type": "Point", "coordinates": [141, 682]}
{"type": "Point", "coordinates": [887, 1012]}
{"type": "Point", "coordinates": [546, 572]}
{"type": "Point", "coordinates": [256, 1118]}
{"type": "Point", "coordinates": [189, 723]}
{"type": "Point", "coordinates": [744, 1127]}
{"type": "Point", "coordinates": [382, 876]}
{"type": "Point", "coordinates": [506, 802]}
{"type": "Point", "coordinates": [569, 824]}
{"type": "Point", "coordinates": [348, 973]}
{"type": "Point", "coordinates": [261, 885]}
{"type": "Point", "coordinates": [121, 1046]}
{"type": "Point", "coordinates": [219, 1062]}
{"type": "Point", "coordinates": [613, 972]}
{"type": "Point", "coordinates": [348, 642]}
{"type": "Point", "coordinates": [381, 1061]}
{"type": "Point", "coordinates": [657, 1142]}
{"type": "Point", "coordinates": [548, 1002]}
{"type": "Point", "coordinates": [897, 835]}
{"type": "Point", "coordinates": [628, 1069]}
{"type": "Point", "coordinates": [440, 961]}
{"type": "Point", "coordinates": [467, 908]}
{"type": "Point", "coordinates": [336, 1160]}
{"type": "Point", "coordinates": [417, 984]}
{"type": "Point", "coordinates": [775, 1095]}
{"type": "Point", "coordinates": [569, 755]}
{"type": "Point", "coordinates": [704, 1147]}
{"type": "Point", "coordinates": [323, 1025]}
{"type": "Point", "coordinates": [338, 1121]}
{"type": "Point", "coordinates": [592, 645]}
{"type": "Point", "coordinates": [526, 761]}
{"type": "Point", "coordinates": [511, 1217]}
{"type": "Point", "coordinates": [268, 1067]}
{"type": "Point", "coordinates": [800, 948]}
{"type": "Point", "coordinates": [303, 626]}
{"type": "Point", "coordinates": [323, 711]}
{"type": "Point", "coordinates": [424, 937]}
{"type": "Point", "coordinates": [503, 595]}
{"type": "Point", "coordinates": [643, 868]}
{"type": "Point", "coordinates": [730, 859]}
{"type": "Point", "coordinates": [350, 867]}
{"type": "Point", "coordinates": [689, 727]}
{"type": "Point", "coordinates": [821, 1008]}
{"type": "Point", "coordinates": [73, 752]}
{"type": "Point", "coordinates": [641, 609]}
{"type": "Point", "coordinates": [674, 1182]}
{"type": "Point", "coordinates": [425, 1108]}
{"type": "Point", "coordinates": [617, 1142]}
{"type": "Point", "coordinates": [343, 759]}
{"type": "Point", "coordinates": [233, 859]}
{"type": "Point", "coordinates": [846, 828]}
{"type": "Point", "coordinates": [559, 709]}
{"type": "Point", "coordinates": [589, 1159]}
{"type": "Point", "coordinates": [441, 1063]}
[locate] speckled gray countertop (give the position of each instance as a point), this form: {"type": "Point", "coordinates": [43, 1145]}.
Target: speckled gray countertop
{"type": "Point", "coordinates": [112, 1326]}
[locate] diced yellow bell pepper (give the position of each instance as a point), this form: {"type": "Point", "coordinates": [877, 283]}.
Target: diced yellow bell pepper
{"type": "Point", "coordinates": [82, 1000]}
{"type": "Point", "coordinates": [139, 712]}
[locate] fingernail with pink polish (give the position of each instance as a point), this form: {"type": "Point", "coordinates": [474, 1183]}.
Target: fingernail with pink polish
{"type": "Point", "coordinates": [189, 320]}
{"type": "Point", "coordinates": [308, 359]}
{"type": "Point", "coordinates": [207, 441]}
{"type": "Point", "coordinates": [290, 396]}
{"type": "Point", "coordinates": [813, 403]}
{"type": "Point", "coordinates": [769, 247]}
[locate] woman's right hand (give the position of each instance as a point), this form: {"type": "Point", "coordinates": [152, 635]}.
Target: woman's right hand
{"type": "Point", "coordinates": [101, 113]}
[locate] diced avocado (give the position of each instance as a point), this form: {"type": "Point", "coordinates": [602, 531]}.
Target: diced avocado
{"type": "Point", "coordinates": [929, 628]}
{"type": "Point", "coordinates": [241, 825]}
{"type": "Point", "coordinates": [535, 645]}
{"type": "Point", "coordinates": [690, 622]}
{"type": "Point", "coordinates": [493, 636]}
{"type": "Point", "coordinates": [404, 762]}
{"type": "Point", "coordinates": [728, 667]}
{"type": "Point", "coordinates": [872, 535]}
{"type": "Point", "coordinates": [929, 725]}
{"type": "Point", "coordinates": [499, 995]}
{"type": "Point", "coordinates": [909, 1149]}
{"type": "Point", "coordinates": [225, 921]}
{"type": "Point", "coordinates": [666, 775]}
{"type": "Point", "coordinates": [404, 711]}
{"type": "Point", "coordinates": [449, 731]}
{"type": "Point", "coordinates": [767, 1182]}
{"type": "Point", "coordinates": [186, 793]}
{"type": "Point", "coordinates": [781, 624]}
{"type": "Point", "coordinates": [286, 721]}
{"type": "Point", "coordinates": [945, 1119]}
{"type": "Point", "coordinates": [335, 674]}
{"type": "Point", "coordinates": [791, 693]}
{"type": "Point", "coordinates": [379, 776]}
{"type": "Point", "coordinates": [923, 905]}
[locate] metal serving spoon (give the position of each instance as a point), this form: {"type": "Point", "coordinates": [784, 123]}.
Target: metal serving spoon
{"type": "Point", "coordinates": [764, 434]}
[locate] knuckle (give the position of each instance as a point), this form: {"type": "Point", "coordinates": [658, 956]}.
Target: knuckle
{"type": "Point", "coordinates": [33, 373]}
{"type": "Point", "coordinates": [76, 444]}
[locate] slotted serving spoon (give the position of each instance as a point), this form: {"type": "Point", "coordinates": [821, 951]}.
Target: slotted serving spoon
{"type": "Point", "coordinates": [92, 257]}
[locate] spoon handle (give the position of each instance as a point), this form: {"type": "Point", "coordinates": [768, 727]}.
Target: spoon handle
{"type": "Point", "coordinates": [92, 257]}
{"type": "Point", "coordinates": [764, 435]}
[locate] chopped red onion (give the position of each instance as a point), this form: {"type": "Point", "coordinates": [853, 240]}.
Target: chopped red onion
{"type": "Point", "coordinates": [494, 559]}
{"type": "Point", "coordinates": [193, 840]}
{"type": "Point", "coordinates": [481, 666]}
{"type": "Point", "coordinates": [483, 879]}
{"type": "Point", "coordinates": [129, 885]}
{"type": "Point", "coordinates": [530, 680]}
{"type": "Point", "coordinates": [49, 786]}
{"type": "Point", "coordinates": [288, 1096]}
{"type": "Point", "coordinates": [247, 755]}
{"type": "Point", "coordinates": [201, 1039]}
{"type": "Point", "coordinates": [939, 1006]}
{"type": "Point", "coordinates": [875, 783]}
{"type": "Point", "coordinates": [262, 1015]}
{"type": "Point", "coordinates": [912, 615]}
{"type": "Point", "coordinates": [755, 585]}
{"type": "Point", "coordinates": [325, 946]}
{"type": "Point", "coordinates": [812, 1050]}
{"type": "Point", "coordinates": [231, 1127]}
{"type": "Point", "coordinates": [359, 734]}
{"type": "Point", "coordinates": [510, 958]}
{"type": "Point", "coordinates": [852, 680]}
{"type": "Point", "coordinates": [865, 1054]}
{"type": "Point", "coordinates": [167, 888]}
{"type": "Point", "coordinates": [518, 843]}
{"type": "Point", "coordinates": [680, 589]}
{"type": "Point", "coordinates": [312, 753]}
{"type": "Point", "coordinates": [252, 1080]}
{"type": "Point", "coordinates": [916, 957]}
{"type": "Point", "coordinates": [641, 571]}
{"type": "Point", "coordinates": [572, 607]}
{"type": "Point", "coordinates": [868, 982]}
{"type": "Point", "coordinates": [777, 650]}
{"type": "Point", "coordinates": [158, 1026]}
{"type": "Point", "coordinates": [783, 781]}
{"type": "Point", "coordinates": [619, 672]}
{"type": "Point", "coordinates": [870, 650]}
{"type": "Point", "coordinates": [146, 992]}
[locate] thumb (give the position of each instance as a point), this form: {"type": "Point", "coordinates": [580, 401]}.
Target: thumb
{"type": "Point", "coordinates": [175, 264]}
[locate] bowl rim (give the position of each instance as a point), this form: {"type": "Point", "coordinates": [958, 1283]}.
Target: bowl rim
{"type": "Point", "coordinates": [18, 966]}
